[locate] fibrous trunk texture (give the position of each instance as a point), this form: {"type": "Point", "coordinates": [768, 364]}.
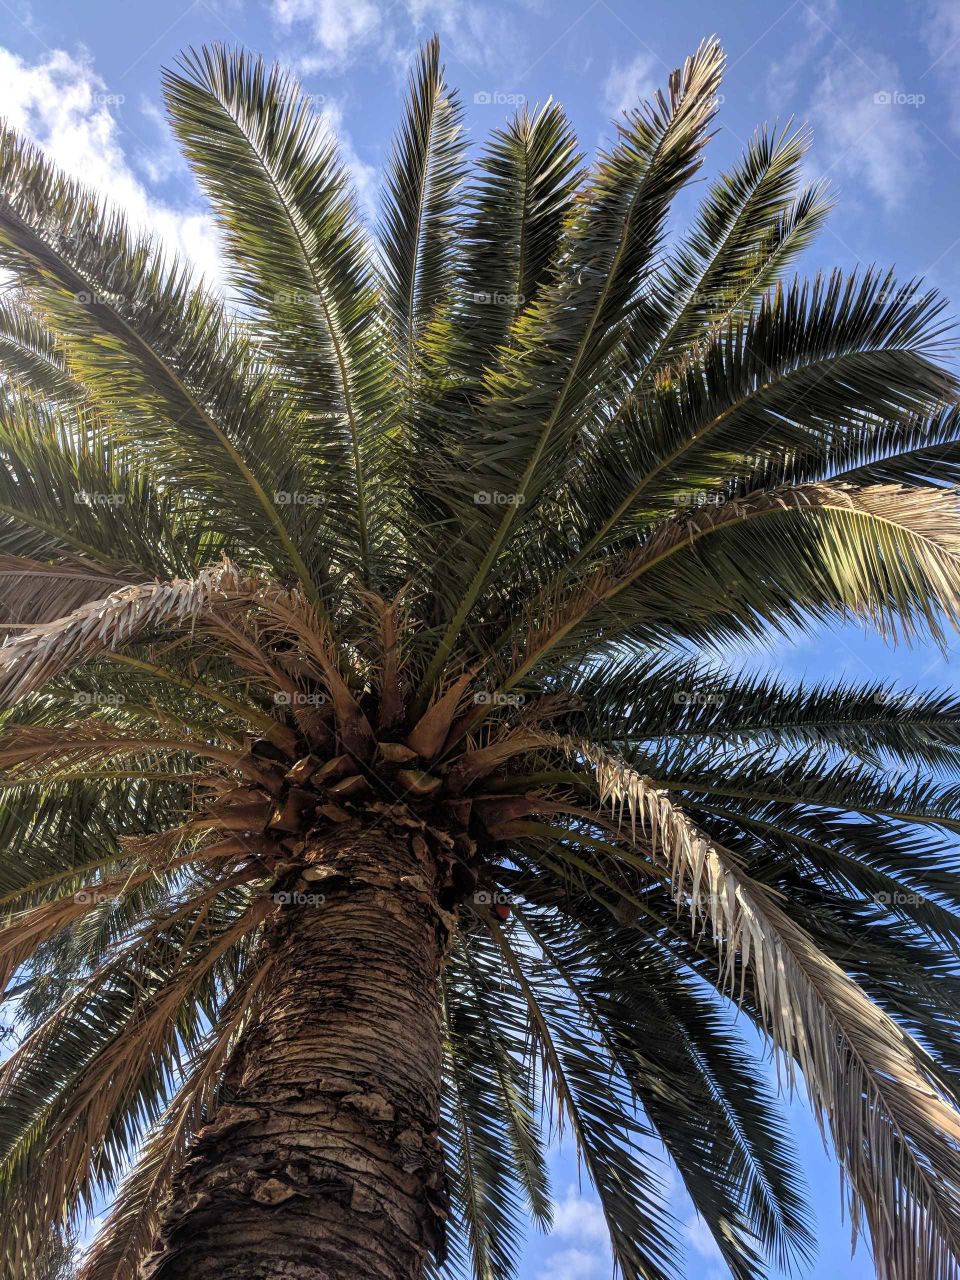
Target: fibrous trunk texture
{"type": "Point", "coordinates": [323, 1163]}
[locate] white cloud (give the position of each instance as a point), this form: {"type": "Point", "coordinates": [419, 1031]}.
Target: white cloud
{"type": "Point", "coordinates": [483, 39]}
{"type": "Point", "coordinates": [338, 29]}
{"type": "Point", "coordinates": [866, 127]}
{"type": "Point", "coordinates": [63, 105]}
{"type": "Point", "coordinates": [575, 1217]}
{"type": "Point", "coordinates": [630, 83]}
{"type": "Point", "coordinates": [867, 133]}
{"type": "Point", "coordinates": [160, 158]}
{"type": "Point", "coordinates": [332, 35]}
{"type": "Point", "coordinates": [579, 1223]}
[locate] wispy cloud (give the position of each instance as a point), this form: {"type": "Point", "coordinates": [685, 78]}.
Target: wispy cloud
{"type": "Point", "coordinates": [332, 35]}
{"type": "Point", "coordinates": [61, 103]}
{"type": "Point", "coordinates": [158, 158]}
{"type": "Point", "coordinates": [866, 125]}
{"type": "Point", "coordinates": [365, 176]}
{"type": "Point", "coordinates": [867, 132]}
{"type": "Point", "coordinates": [579, 1226]}
{"type": "Point", "coordinates": [628, 84]}
{"type": "Point", "coordinates": [574, 1264]}
{"type": "Point", "coordinates": [577, 1217]}
{"type": "Point", "coordinates": [337, 30]}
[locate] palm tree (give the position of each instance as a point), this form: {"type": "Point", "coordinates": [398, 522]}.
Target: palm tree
{"type": "Point", "coordinates": [376, 797]}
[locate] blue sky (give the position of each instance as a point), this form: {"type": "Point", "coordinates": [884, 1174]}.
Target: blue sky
{"type": "Point", "coordinates": [877, 80]}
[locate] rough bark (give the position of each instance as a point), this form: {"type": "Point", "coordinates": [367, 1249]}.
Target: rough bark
{"type": "Point", "coordinates": [324, 1161]}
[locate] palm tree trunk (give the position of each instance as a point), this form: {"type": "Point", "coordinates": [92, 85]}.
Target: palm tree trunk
{"type": "Point", "coordinates": [323, 1163]}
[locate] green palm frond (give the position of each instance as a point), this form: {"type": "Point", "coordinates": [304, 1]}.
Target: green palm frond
{"type": "Point", "coordinates": [890, 1142]}
{"type": "Point", "coordinates": [606, 1124]}
{"type": "Point", "coordinates": [815, 778]}
{"type": "Point", "coordinates": [498, 1161]}
{"type": "Point", "coordinates": [29, 358]}
{"type": "Point", "coordinates": [752, 222]}
{"type": "Point", "coordinates": [68, 494]}
{"type": "Point", "coordinates": [565, 338]}
{"type": "Point", "coordinates": [298, 257]}
{"type": "Point", "coordinates": [98, 1065]}
{"type": "Point", "coordinates": [518, 211]}
{"type": "Point", "coordinates": [736, 1167]}
{"type": "Point", "coordinates": [419, 219]}
{"type": "Point", "coordinates": [918, 451]}
{"type": "Point", "coordinates": [813, 365]}
{"type": "Point", "coordinates": [885, 553]}
{"type": "Point", "coordinates": [637, 699]}
{"type": "Point", "coordinates": [135, 1217]}
{"type": "Point", "coordinates": [134, 329]}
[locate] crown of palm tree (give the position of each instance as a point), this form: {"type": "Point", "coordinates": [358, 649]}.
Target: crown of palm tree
{"type": "Point", "coordinates": [448, 534]}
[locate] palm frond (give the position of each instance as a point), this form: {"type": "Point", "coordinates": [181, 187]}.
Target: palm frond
{"type": "Point", "coordinates": [753, 220]}
{"type": "Point", "coordinates": [29, 357]}
{"type": "Point", "coordinates": [696, 1083]}
{"type": "Point", "coordinates": [899, 1140]}
{"type": "Point", "coordinates": [815, 364]}
{"type": "Point", "coordinates": [518, 210]}
{"type": "Point", "coordinates": [884, 553]}
{"type": "Point", "coordinates": [923, 449]}
{"type": "Point", "coordinates": [635, 699]}
{"type": "Point", "coordinates": [299, 259]}
{"type": "Point", "coordinates": [96, 1068]}
{"type": "Point", "coordinates": [419, 222]}
{"type": "Point", "coordinates": [535, 398]}
{"type": "Point", "coordinates": [138, 331]}
{"type": "Point", "coordinates": [604, 1121]}
{"type": "Point", "coordinates": [39, 654]}
{"type": "Point", "coordinates": [492, 1138]}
